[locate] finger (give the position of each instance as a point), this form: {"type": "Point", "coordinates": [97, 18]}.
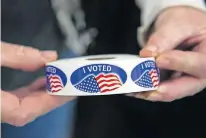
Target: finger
{"type": "Point", "coordinates": [141, 95]}
{"type": "Point", "coordinates": [38, 84]}
{"type": "Point", "coordinates": [37, 104]}
{"type": "Point", "coordinates": [195, 40]}
{"type": "Point", "coordinates": [175, 89]}
{"type": "Point", "coordinates": [21, 92]}
{"type": "Point", "coordinates": [201, 48]}
{"type": "Point", "coordinates": [144, 95]}
{"type": "Point", "coordinates": [25, 91]}
{"type": "Point", "coordinates": [192, 63]}
{"type": "Point", "coordinates": [164, 39]}
{"type": "Point", "coordinates": [9, 105]}
{"type": "Point", "coordinates": [25, 58]}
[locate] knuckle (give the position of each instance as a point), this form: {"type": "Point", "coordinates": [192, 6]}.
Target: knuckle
{"type": "Point", "coordinates": [178, 60]}
{"type": "Point", "coordinates": [23, 51]}
{"type": "Point", "coordinates": [159, 38]}
{"type": "Point", "coordinates": [190, 63]}
{"type": "Point", "coordinates": [30, 51]}
{"type": "Point", "coordinates": [21, 120]}
{"type": "Point", "coordinates": [20, 50]}
{"type": "Point", "coordinates": [155, 39]}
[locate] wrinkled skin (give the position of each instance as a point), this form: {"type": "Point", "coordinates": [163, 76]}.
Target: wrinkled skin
{"type": "Point", "coordinates": [179, 44]}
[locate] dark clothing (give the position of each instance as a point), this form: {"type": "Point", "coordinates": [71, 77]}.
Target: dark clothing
{"type": "Point", "coordinates": [31, 23]}
{"type": "Point", "coordinates": [125, 117]}
{"type": "Point", "coordinates": [119, 116]}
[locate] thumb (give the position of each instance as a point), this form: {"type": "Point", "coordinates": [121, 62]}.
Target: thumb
{"type": "Point", "coordinates": [25, 58]}
{"type": "Point", "coordinates": [165, 38]}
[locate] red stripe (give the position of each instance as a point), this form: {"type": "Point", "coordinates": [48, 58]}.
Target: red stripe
{"type": "Point", "coordinates": [109, 85]}
{"type": "Point", "coordinates": [153, 71]}
{"type": "Point", "coordinates": [53, 77]}
{"type": "Point", "coordinates": [155, 85]}
{"type": "Point", "coordinates": [52, 86]}
{"type": "Point", "coordinates": [154, 74]}
{"type": "Point", "coordinates": [156, 78]}
{"type": "Point", "coordinates": [105, 76]}
{"type": "Point", "coordinates": [56, 90]}
{"type": "Point", "coordinates": [107, 90]}
{"type": "Point", "coordinates": [55, 82]}
{"type": "Point", "coordinates": [108, 80]}
{"type": "Point", "coordinates": [155, 81]}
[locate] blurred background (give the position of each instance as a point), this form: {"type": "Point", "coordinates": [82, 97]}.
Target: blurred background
{"type": "Point", "coordinates": [85, 27]}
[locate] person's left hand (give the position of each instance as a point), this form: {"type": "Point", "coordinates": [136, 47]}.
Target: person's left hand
{"type": "Point", "coordinates": [25, 104]}
{"type": "Point", "coordinates": [180, 28]}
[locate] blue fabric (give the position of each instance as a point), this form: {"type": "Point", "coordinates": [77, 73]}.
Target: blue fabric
{"type": "Point", "coordinates": [56, 124]}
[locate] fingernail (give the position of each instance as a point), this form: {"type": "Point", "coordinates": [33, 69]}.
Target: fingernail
{"type": "Point", "coordinates": [150, 96]}
{"type": "Point", "coordinates": [49, 55]}
{"type": "Point", "coordinates": [162, 62]}
{"type": "Point", "coordinates": [140, 96]}
{"type": "Point", "coordinates": [154, 96]}
{"type": "Point", "coordinates": [150, 51]}
{"type": "Point", "coordinates": [144, 94]}
{"type": "Point", "coordinates": [152, 48]}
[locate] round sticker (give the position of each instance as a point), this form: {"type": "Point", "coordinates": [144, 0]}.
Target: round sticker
{"type": "Point", "coordinates": [146, 74]}
{"type": "Point", "coordinates": [56, 79]}
{"type": "Point", "coordinates": [98, 78]}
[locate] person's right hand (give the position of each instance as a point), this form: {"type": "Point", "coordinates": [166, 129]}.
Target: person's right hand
{"type": "Point", "coordinates": [25, 104]}
{"type": "Point", "coordinates": [179, 44]}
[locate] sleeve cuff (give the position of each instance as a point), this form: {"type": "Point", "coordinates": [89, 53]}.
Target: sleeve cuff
{"type": "Point", "coordinates": [151, 9]}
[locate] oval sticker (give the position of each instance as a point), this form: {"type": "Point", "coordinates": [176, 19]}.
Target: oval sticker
{"type": "Point", "coordinates": [55, 79]}
{"type": "Point", "coordinates": [146, 74]}
{"type": "Point", "coordinates": [98, 78]}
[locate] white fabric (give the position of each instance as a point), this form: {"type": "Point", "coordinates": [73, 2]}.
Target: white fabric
{"type": "Point", "coordinates": [78, 42]}
{"type": "Point", "coordinates": [66, 10]}
{"type": "Point", "coordinates": [151, 8]}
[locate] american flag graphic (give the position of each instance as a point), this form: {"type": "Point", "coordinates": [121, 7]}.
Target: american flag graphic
{"type": "Point", "coordinates": [100, 83]}
{"type": "Point", "coordinates": [148, 79]}
{"type": "Point", "coordinates": [55, 83]}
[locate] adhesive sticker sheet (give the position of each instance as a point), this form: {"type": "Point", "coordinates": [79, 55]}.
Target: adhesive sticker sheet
{"type": "Point", "coordinates": [102, 75]}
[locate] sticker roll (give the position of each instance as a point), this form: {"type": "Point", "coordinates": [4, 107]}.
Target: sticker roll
{"type": "Point", "coordinates": [102, 75]}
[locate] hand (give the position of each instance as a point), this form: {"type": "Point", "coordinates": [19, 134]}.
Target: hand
{"type": "Point", "coordinates": [181, 28]}
{"type": "Point", "coordinates": [23, 105]}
